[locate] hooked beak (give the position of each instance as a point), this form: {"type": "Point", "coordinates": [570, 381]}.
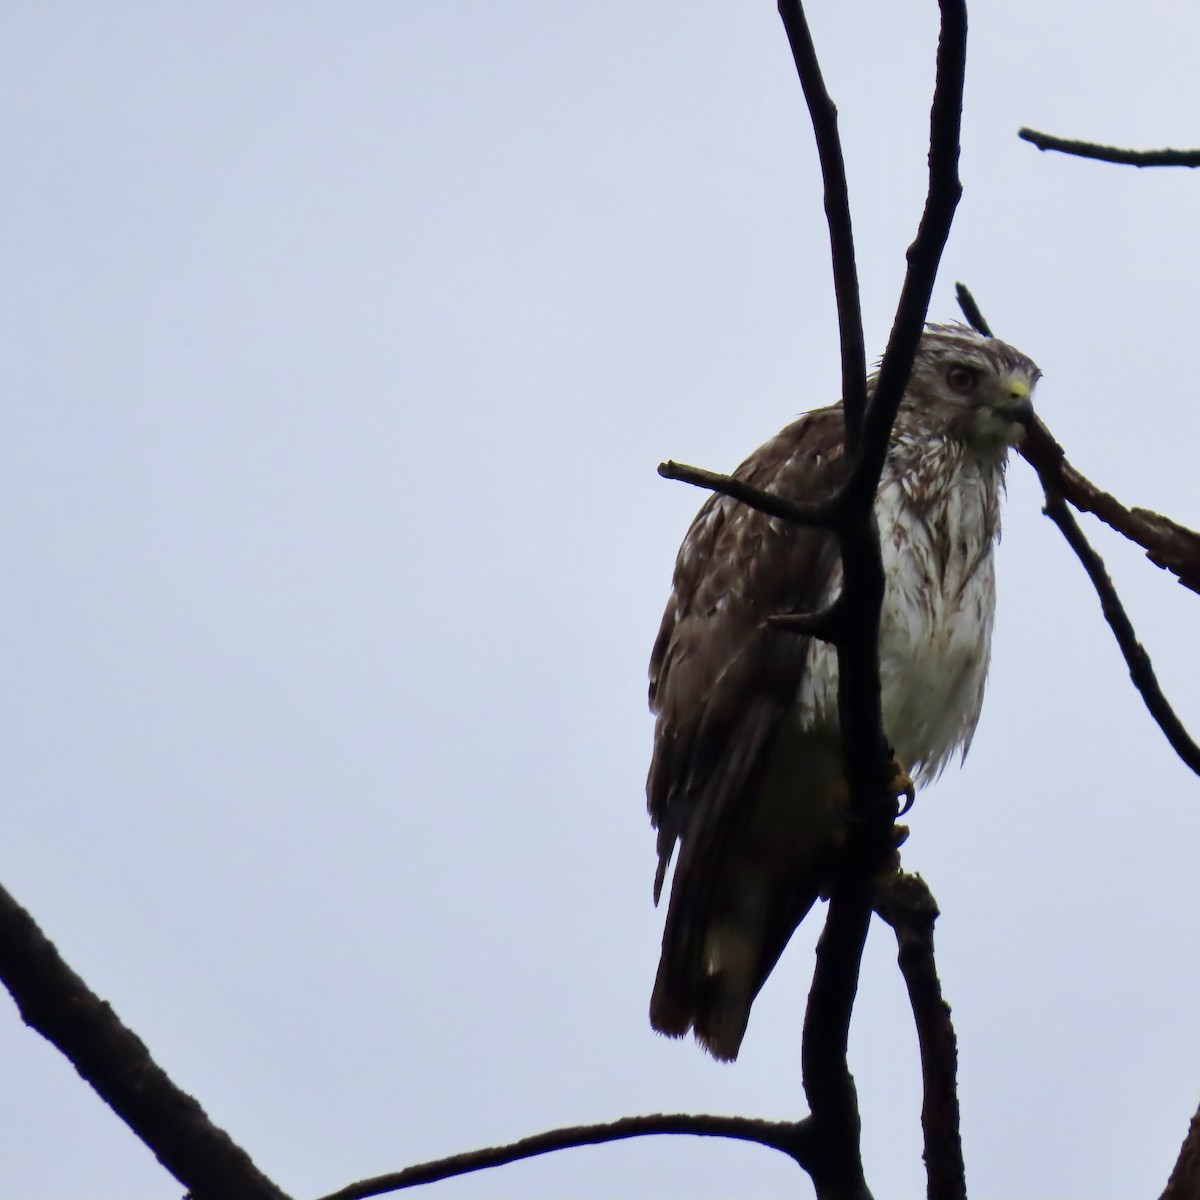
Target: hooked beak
{"type": "Point", "coordinates": [1019, 406]}
{"type": "Point", "coordinates": [1022, 412]}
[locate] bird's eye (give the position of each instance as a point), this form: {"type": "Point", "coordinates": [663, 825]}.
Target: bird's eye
{"type": "Point", "coordinates": [962, 379]}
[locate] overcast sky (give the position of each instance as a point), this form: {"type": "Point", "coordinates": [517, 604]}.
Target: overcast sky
{"type": "Point", "coordinates": [339, 344]}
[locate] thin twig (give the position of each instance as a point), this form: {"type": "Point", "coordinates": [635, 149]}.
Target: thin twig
{"type": "Point", "coordinates": [822, 515]}
{"type": "Point", "coordinates": [826, 624]}
{"type": "Point", "coordinates": [1138, 661]}
{"type": "Point", "coordinates": [970, 310]}
{"type": "Point", "coordinates": [790, 1137]}
{"type": "Point", "coordinates": [1111, 154]}
{"type": "Point", "coordinates": [908, 906]}
{"type": "Point", "coordinates": [53, 1000]}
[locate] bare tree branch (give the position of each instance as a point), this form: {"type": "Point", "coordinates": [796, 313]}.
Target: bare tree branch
{"type": "Point", "coordinates": [823, 112]}
{"type": "Point", "coordinates": [925, 254]}
{"type": "Point", "coordinates": [836, 1166]}
{"type": "Point", "coordinates": [971, 311]}
{"type": "Point", "coordinates": [906, 904]}
{"type": "Point", "coordinates": [865, 746]}
{"type": "Point", "coordinates": [790, 1137]}
{"type": "Point", "coordinates": [823, 514]}
{"type": "Point", "coordinates": [1184, 1183]}
{"type": "Point", "coordinates": [1138, 661]}
{"type": "Point", "coordinates": [828, 1083]}
{"type": "Point", "coordinates": [53, 1000]}
{"type": "Point", "coordinates": [1111, 154]}
{"type": "Point", "coordinates": [1168, 544]}
{"type": "Point", "coordinates": [1174, 547]}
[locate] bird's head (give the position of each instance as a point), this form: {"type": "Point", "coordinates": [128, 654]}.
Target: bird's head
{"type": "Point", "coordinates": [976, 388]}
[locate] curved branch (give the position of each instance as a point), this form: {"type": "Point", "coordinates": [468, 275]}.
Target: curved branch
{"type": "Point", "coordinates": [824, 514]}
{"type": "Point", "coordinates": [823, 112]}
{"type": "Point", "coordinates": [1111, 154]}
{"type": "Point", "coordinates": [60, 1006]}
{"type": "Point", "coordinates": [866, 749]}
{"type": "Point", "coordinates": [790, 1137]}
{"type": "Point", "coordinates": [1140, 669]}
{"type": "Point", "coordinates": [925, 253]}
{"type": "Point", "coordinates": [907, 905]}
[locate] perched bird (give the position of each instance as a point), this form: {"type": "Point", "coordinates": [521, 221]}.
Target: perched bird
{"type": "Point", "coordinates": [747, 771]}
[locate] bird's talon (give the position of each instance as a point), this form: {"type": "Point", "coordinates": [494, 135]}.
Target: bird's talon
{"type": "Point", "coordinates": [901, 784]}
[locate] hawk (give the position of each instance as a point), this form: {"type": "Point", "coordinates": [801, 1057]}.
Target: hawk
{"type": "Point", "coordinates": [747, 773]}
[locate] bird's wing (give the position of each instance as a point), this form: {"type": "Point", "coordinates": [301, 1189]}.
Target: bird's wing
{"type": "Point", "coordinates": [722, 681]}
{"type": "Point", "coordinates": [720, 678]}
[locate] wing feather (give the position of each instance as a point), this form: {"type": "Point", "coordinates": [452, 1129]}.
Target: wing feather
{"type": "Point", "coordinates": [722, 682]}
{"type": "Point", "coordinates": [736, 567]}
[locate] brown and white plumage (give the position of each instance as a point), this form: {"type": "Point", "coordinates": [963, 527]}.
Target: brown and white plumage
{"type": "Point", "coordinates": [746, 775]}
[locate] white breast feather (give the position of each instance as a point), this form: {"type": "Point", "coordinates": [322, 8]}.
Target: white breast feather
{"type": "Point", "coordinates": [938, 524]}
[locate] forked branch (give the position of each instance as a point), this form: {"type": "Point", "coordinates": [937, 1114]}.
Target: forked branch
{"type": "Point", "coordinates": [1166, 543]}
{"type": "Point", "coordinates": [829, 1086]}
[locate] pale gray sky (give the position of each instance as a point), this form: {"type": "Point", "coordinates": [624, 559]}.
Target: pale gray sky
{"type": "Point", "coordinates": [340, 344]}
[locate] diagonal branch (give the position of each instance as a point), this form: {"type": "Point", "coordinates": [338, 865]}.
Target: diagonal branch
{"type": "Point", "coordinates": [906, 904]}
{"type": "Point", "coordinates": [1138, 661]}
{"type": "Point", "coordinates": [59, 1005]}
{"type": "Point", "coordinates": [1184, 1183]}
{"type": "Point", "coordinates": [1167, 544]}
{"type": "Point", "coordinates": [790, 1137]}
{"type": "Point", "coordinates": [1111, 154]}
{"type": "Point", "coordinates": [823, 112]}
